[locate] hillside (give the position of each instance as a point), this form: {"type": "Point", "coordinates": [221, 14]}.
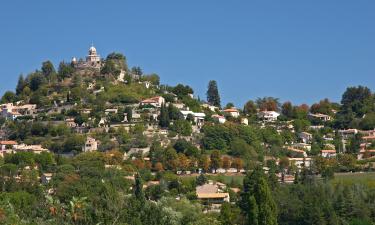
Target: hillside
{"type": "Point", "coordinates": [98, 141]}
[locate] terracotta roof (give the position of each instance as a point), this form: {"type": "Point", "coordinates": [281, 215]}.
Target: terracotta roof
{"type": "Point", "coordinates": [8, 143]}
{"type": "Point", "coordinates": [295, 150]}
{"type": "Point", "coordinates": [212, 195]}
{"type": "Point", "coordinates": [230, 110]}
{"type": "Point", "coordinates": [328, 151]}
{"type": "Point", "coordinates": [368, 137]}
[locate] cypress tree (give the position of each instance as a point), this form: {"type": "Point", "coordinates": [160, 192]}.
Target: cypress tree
{"type": "Point", "coordinates": [252, 217]}
{"type": "Point", "coordinates": [213, 96]}
{"type": "Point", "coordinates": [138, 189]}
{"type": "Point", "coordinates": [164, 116]}
{"type": "Point", "coordinates": [256, 202]}
{"type": "Point", "coordinates": [20, 85]}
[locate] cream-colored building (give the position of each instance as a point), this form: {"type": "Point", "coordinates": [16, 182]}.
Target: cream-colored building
{"type": "Point", "coordinates": [90, 145]}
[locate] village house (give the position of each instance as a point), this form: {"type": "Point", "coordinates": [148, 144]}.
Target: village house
{"type": "Point", "coordinates": [111, 111]}
{"type": "Point", "coordinates": [70, 122]}
{"type": "Point", "coordinates": [268, 116]}
{"type": "Point", "coordinates": [157, 102]}
{"type": "Point", "coordinates": [316, 127]}
{"type": "Point", "coordinates": [328, 153]}
{"type": "Point", "coordinates": [320, 116]}
{"type": "Point", "coordinates": [298, 151]}
{"type": "Point", "coordinates": [90, 145]}
{"type": "Point", "coordinates": [132, 151]}
{"type": "Point", "coordinates": [198, 117]}
{"type": "Point", "coordinates": [12, 147]}
{"type": "Point", "coordinates": [7, 145]}
{"type": "Point", "coordinates": [244, 121]}
{"type": "Point", "coordinates": [305, 137]}
{"type": "Point", "coordinates": [301, 162]}
{"type": "Point", "coordinates": [11, 111]}
{"type": "Point", "coordinates": [233, 112]}
{"type": "Point", "coordinates": [212, 195]}
{"type": "Point", "coordinates": [37, 149]}
{"type": "Point", "coordinates": [304, 146]}
{"type": "Point", "coordinates": [346, 134]}
{"type": "Point", "coordinates": [46, 178]}
{"type": "Point", "coordinates": [210, 107]}
{"type": "Point", "coordinates": [219, 118]}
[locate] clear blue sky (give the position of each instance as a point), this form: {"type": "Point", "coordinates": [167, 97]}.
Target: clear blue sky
{"type": "Point", "coordinates": [296, 50]}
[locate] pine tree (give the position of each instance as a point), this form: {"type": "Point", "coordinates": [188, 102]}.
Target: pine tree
{"type": "Point", "coordinates": [213, 94]}
{"type": "Point", "coordinates": [20, 85]}
{"type": "Point", "coordinates": [164, 116]}
{"type": "Point", "coordinates": [252, 217]}
{"type": "Point", "coordinates": [263, 210]}
{"type": "Point", "coordinates": [138, 189]}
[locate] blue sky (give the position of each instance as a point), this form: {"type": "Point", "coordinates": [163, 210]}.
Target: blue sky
{"type": "Point", "coordinates": [296, 50]}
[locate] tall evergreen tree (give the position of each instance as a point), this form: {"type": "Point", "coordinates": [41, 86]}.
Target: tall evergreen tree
{"type": "Point", "coordinates": [252, 217]}
{"type": "Point", "coordinates": [263, 210]}
{"type": "Point", "coordinates": [213, 96]}
{"type": "Point", "coordinates": [138, 189]}
{"type": "Point", "coordinates": [20, 85]}
{"type": "Point", "coordinates": [164, 116]}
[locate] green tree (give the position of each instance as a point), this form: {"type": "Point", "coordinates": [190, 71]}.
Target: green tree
{"type": "Point", "coordinates": [216, 161]}
{"type": "Point", "coordinates": [250, 108]}
{"type": "Point", "coordinates": [182, 127]}
{"type": "Point", "coordinates": [164, 116]}
{"type": "Point", "coordinates": [65, 70]}
{"type": "Point", "coordinates": [213, 96]}
{"type": "Point", "coordinates": [263, 210]}
{"type": "Point", "coordinates": [287, 109]}
{"type": "Point", "coordinates": [20, 85]}
{"type": "Point", "coordinates": [47, 68]}
{"type": "Point", "coordinates": [129, 113]}
{"type": "Point", "coordinates": [8, 97]}
{"type": "Point", "coordinates": [358, 100]}
{"type": "Point", "coordinates": [138, 189]}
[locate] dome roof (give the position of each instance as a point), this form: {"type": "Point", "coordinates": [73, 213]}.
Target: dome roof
{"type": "Point", "coordinates": [92, 50]}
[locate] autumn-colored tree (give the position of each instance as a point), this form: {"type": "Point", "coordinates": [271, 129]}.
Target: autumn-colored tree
{"type": "Point", "coordinates": [183, 162]}
{"type": "Point", "coordinates": [138, 163]}
{"type": "Point", "coordinates": [226, 162]}
{"type": "Point", "coordinates": [287, 109]}
{"type": "Point", "coordinates": [237, 163]}
{"type": "Point", "coordinates": [268, 104]}
{"type": "Point", "coordinates": [113, 157]}
{"type": "Point", "coordinates": [204, 162]}
{"type": "Point", "coordinates": [159, 167]}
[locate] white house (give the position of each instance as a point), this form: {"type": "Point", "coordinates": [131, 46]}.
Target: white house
{"type": "Point", "coordinates": [210, 107]}
{"type": "Point", "coordinates": [244, 121]}
{"type": "Point", "coordinates": [154, 101]}
{"type": "Point", "coordinates": [90, 145]}
{"type": "Point", "coordinates": [46, 177]}
{"type": "Point", "coordinates": [198, 117]}
{"type": "Point", "coordinates": [328, 153]}
{"type": "Point", "coordinates": [305, 146]}
{"type": "Point", "coordinates": [320, 116]}
{"type": "Point", "coordinates": [348, 133]}
{"type": "Point", "coordinates": [212, 194]}
{"type": "Point", "coordinates": [111, 111]}
{"type": "Point", "coordinates": [299, 162]}
{"type": "Point", "coordinates": [232, 112]}
{"type": "Point", "coordinates": [305, 137]}
{"type": "Point", "coordinates": [11, 111]}
{"type": "Point", "coordinates": [218, 118]}
{"type": "Point", "coordinates": [268, 115]}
